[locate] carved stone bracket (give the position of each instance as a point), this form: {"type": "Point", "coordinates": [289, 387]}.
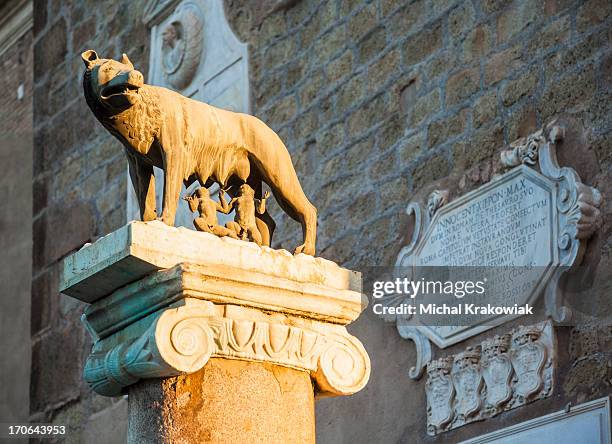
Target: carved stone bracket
{"type": "Point", "coordinates": [165, 300]}
{"type": "Point", "coordinates": [182, 339]}
{"type": "Point", "coordinates": [573, 217]}
{"type": "Point", "coordinates": [500, 374]}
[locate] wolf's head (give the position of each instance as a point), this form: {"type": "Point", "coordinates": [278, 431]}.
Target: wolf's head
{"type": "Point", "coordinates": [113, 85]}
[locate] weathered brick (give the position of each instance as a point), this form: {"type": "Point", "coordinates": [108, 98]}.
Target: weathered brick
{"type": "Point", "coordinates": [39, 15]}
{"type": "Point", "coordinates": [306, 125]}
{"type": "Point", "coordinates": [322, 19]}
{"type": "Point", "coordinates": [297, 14]}
{"type": "Point", "coordinates": [68, 176]}
{"type": "Point", "coordinates": [362, 208]}
{"type": "Point", "coordinates": [462, 85]}
{"type": "Point", "coordinates": [477, 43]}
{"type": "Point", "coordinates": [412, 147]}
{"type": "Point", "coordinates": [351, 159]}
{"type": "Point", "coordinates": [279, 53]}
{"type": "Point", "coordinates": [68, 228]}
{"type": "Point", "coordinates": [388, 6]}
{"type": "Point", "coordinates": [430, 169]}
{"type": "Point", "coordinates": [382, 70]}
{"type": "Point", "coordinates": [372, 44]}
{"type": "Point", "coordinates": [406, 20]}
{"type": "Point", "coordinates": [553, 7]}
{"type": "Point", "coordinates": [514, 20]}
{"type": "Point", "coordinates": [407, 95]}
{"type": "Point", "coordinates": [564, 59]}
{"type": "Point", "coordinates": [330, 139]}
{"type": "Point", "coordinates": [567, 92]}
{"type": "Point", "coordinates": [311, 89]}
{"type": "Point", "coordinates": [93, 183]}
{"type": "Point", "coordinates": [82, 34]}
{"type": "Point", "coordinates": [328, 111]}
{"type": "Point", "coordinates": [330, 44]}
{"type": "Point", "coordinates": [442, 130]}
{"type": "Point", "coordinates": [523, 86]}
{"type": "Point", "coordinates": [295, 73]}
{"type": "Point", "coordinates": [268, 89]}
{"type": "Point", "coordinates": [45, 297]}
{"type": "Point", "coordinates": [485, 109]}
{"type": "Point", "coordinates": [50, 49]}
{"type": "Point", "coordinates": [39, 242]}
{"type": "Point", "coordinates": [383, 167]}
{"type": "Point", "coordinates": [351, 92]}
{"type": "Point", "coordinates": [40, 194]}
{"type": "Point", "coordinates": [341, 250]}
{"type": "Point", "coordinates": [347, 6]}
{"type": "Point", "coordinates": [489, 6]}
{"type": "Point", "coordinates": [423, 44]}
{"type": "Point", "coordinates": [396, 190]}
{"type": "Point", "coordinates": [522, 122]}
{"type": "Point", "coordinates": [272, 27]}
{"type": "Point", "coordinates": [592, 13]}
{"type": "Point", "coordinates": [552, 35]}
{"type": "Point", "coordinates": [441, 63]}
{"type": "Point", "coordinates": [606, 70]}
{"type": "Point", "coordinates": [283, 111]}
{"type": "Point", "coordinates": [366, 116]}
{"type": "Point", "coordinates": [62, 351]}
{"type": "Point", "coordinates": [502, 64]}
{"type": "Point", "coordinates": [391, 132]}
{"type": "Point", "coordinates": [340, 67]}
{"type": "Point", "coordinates": [362, 22]}
{"type": "Point", "coordinates": [116, 168]}
{"type": "Point", "coordinates": [426, 106]}
{"type": "Point", "coordinates": [461, 19]}
{"type": "Point", "coordinates": [483, 144]}
{"type": "Point", "coordinates": [331, 167]}
{"type": "Point", "coordinates": [331, 193]}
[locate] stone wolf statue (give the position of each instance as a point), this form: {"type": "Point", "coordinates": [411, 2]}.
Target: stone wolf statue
{"type": "Point", "coordinates": [189, 141]}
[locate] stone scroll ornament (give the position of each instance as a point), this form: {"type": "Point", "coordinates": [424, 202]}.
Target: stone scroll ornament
{"type": "Point", "coordinates": [569, 216]}
{"type": "Point", "coordinates": [500, 374]}
{"type": "Point", "coordinates": [192, 141]}
{"type": "Point", "coordinates": [181, 340]}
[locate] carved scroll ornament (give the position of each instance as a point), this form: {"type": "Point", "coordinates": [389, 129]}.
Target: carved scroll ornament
{"type": "Point", "coordinates": [181, 340]}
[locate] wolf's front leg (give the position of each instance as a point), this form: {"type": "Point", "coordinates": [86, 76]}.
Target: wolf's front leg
{"type": "Point", "coordinates": [172, 187]}
{"type": "Point", "coordinates": [143, 181]}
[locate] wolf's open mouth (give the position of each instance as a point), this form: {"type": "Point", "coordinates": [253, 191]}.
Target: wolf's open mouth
{"type": "Point", "coordinates": [118, 90]}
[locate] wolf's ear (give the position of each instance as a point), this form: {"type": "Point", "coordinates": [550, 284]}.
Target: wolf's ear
{"type": "Point", "coordinates": [126, 61]}
{"type": "Point", "coordinates": [89, 57]}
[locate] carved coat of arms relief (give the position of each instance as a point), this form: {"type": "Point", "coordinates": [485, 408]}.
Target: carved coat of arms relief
{"type": "Point", "coordinates": [468, 382]}
{"type": "Point", "coordinates": [528, 359]}
{"type": "Point", "coordinates": [497, 372]}
{"type": "Point", "coordinates": [501, 373]}
{"type": "Point", "coordinates": [440, 393]}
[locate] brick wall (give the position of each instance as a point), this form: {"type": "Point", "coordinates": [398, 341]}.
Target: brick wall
{"type": "Point", "coordinates": [80, 179]}
{"type": "Point", "coordinates": [379, 102]}
{"type": "Point", "coordinates": [15, 224]}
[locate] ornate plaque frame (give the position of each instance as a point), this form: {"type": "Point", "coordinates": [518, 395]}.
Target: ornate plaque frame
{"type": "Point", "coordinates": [574, 218]}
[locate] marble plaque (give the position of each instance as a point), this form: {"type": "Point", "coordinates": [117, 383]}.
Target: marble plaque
{"type": "Point", "coordinates": [535, 217]}
{"type": "Point", "coordinates": [507, 223]}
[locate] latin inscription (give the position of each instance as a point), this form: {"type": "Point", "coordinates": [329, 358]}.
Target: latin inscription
{"type": "Point", "coordinates": [506, 226]}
